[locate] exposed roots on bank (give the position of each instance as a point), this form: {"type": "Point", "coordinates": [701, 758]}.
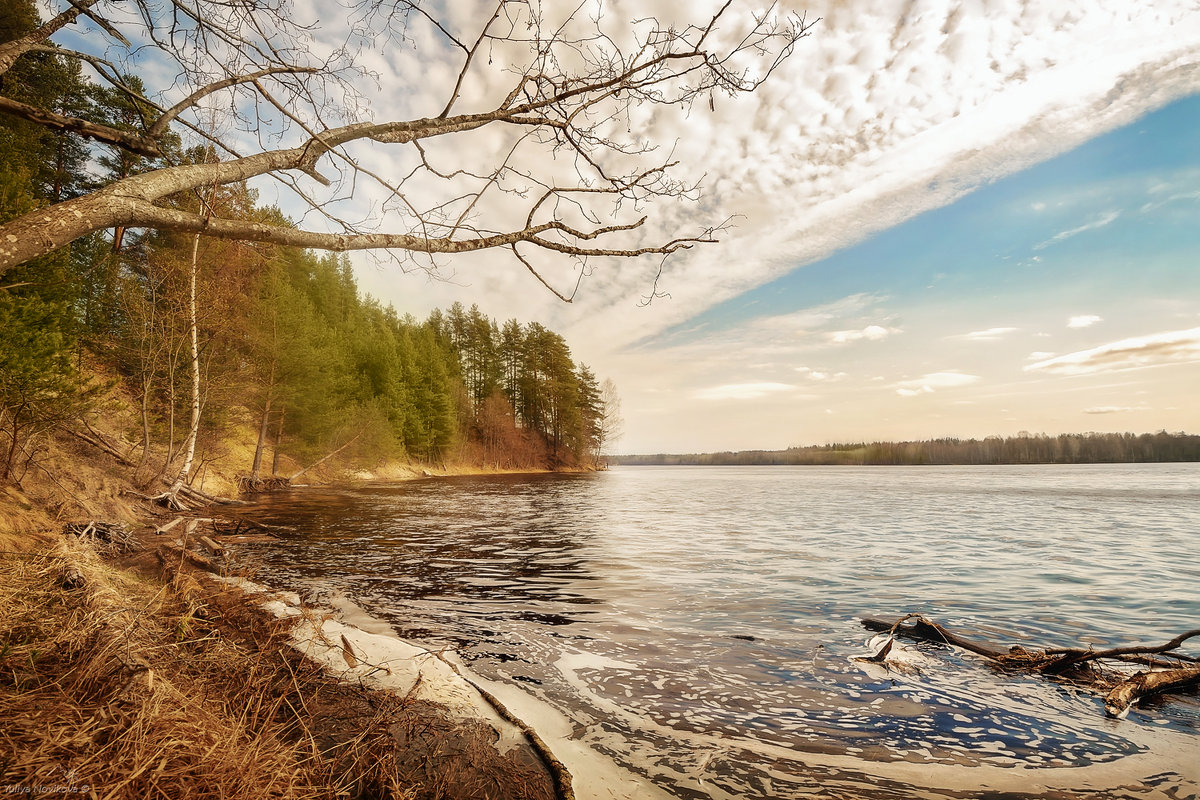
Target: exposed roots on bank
{"type": "Point", "coordinates": [185, 498]}
{"type": "Point", "coordinates": [1167, 669]}
{"type": "Point", "coordinates": [251, 484]}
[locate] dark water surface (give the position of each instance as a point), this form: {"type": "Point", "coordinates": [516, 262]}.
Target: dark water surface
{"type": "Point", "coordinates": [698, 624]}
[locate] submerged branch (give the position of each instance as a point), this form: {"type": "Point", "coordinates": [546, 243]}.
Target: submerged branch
{"type": "Point", "coordinates": [1082, 667]}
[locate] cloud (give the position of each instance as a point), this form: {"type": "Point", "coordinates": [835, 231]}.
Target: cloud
{"type": "Point", "coordinates": [810, 319]}
{"type": "Point", "coordinates": [1104, 219]}
{"type": "Point", "coordinates": [1112, 409]}
{"type": "Point", "coordinates": [871, 333]}
{"type": "Point", "coordinates": [743, 391]}
{"type": "Point", "coordinates": [988, 335]}
{"type": "Point", "coordinates": [1170, 347]}
{"type": "Point", "coordinates": [890, 109]}
{"type": "Point", "coordinates": [883, 113]}
{"type": "Point", "coordinates": [821, 375]}
{"type": "Point", "coordinates": [928, 384]}
{"type": "Point", "coordinates": [1083, 321]}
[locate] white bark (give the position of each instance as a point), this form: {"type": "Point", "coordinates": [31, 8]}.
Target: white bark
{"type": "Point", "coordinates": [194, 430]}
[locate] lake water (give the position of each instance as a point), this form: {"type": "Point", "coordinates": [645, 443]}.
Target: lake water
{"type": "Point", "coordinates": [698, 625]}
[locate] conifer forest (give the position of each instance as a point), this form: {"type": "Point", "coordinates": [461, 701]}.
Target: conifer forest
{"type": "Point", "coordinates": [212, 339]}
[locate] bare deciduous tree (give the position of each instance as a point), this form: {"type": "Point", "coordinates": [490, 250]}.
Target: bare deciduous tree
{"type": "Point", "coordinates": [611, 424]}
{"type": "Point", "coordinates": [564, 98]}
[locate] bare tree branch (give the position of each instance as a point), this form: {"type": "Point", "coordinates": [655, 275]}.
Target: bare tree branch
{"type": "Point", "coordinates": [572, 173]}
{"type": "Point", "coordinates": [11, 51]}
{"type": "Point", "coordinates": [125, 140]}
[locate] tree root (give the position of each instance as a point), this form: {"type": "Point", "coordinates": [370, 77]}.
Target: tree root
{"type": "Point", "coordinates": [249, 484]}
{"type": "Point", "coordinates": [185, 498]}
{"type": "Point", "coordinates": [1170, 672]}
{"type": "Point", "coordinates": [112, 536]}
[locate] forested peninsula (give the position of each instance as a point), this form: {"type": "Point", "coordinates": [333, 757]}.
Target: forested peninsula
{"type": "Point", "coordinates": [145, 373]}
{"type": "Point", "coordinates": [1076, 448]}
{"type": "Point", "coordinates": [177, 352]}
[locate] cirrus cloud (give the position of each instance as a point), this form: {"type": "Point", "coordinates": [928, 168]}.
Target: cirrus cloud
{"type": "Point", "coordinates": [1104, 219]}
{"type": "Point", "coordinates": [932, 382]}
{"type": "Point", "coordinates": [871, 333]}
{"type": "Point", "coordinates": [1156, 349]}
{"type": "Point", "coordinates": [988, 335]}
{"type": "Point", "coordinates": [1112, 409]}
{"type": "Point", "coordinates": [743, 391]}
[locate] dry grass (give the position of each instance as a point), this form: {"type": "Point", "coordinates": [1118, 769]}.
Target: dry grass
{"type": "Point", "coordinates": [141, 688]}
{"type": "Point", "coordinates": [141, 685]}
{"type": "Point", "coordinates": [114, 685]}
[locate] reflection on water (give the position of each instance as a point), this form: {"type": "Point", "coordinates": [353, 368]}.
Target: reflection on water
{"type": "Point", "coordinates": [699, 624]}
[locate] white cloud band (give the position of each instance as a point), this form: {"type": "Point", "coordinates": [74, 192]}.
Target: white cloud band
{"type": "Point", "coordinates": [1170, 347]}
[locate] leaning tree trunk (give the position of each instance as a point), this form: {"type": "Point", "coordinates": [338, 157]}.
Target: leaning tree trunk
{"type": "Point", "coordinates": [263, 427]}
{"type": "Point", "coordinates": [278, 439]}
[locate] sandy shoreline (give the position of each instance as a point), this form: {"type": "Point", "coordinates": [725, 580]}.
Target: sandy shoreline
{"type": "Point", "coordinates": [352, 645]}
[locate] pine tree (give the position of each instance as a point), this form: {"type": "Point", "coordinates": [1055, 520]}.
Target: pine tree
{"type": "Point", "coordinates": [39, 385]}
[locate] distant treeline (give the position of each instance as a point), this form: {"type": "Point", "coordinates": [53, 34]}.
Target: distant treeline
{"type": "Point", "coordinates": [1067, 448]}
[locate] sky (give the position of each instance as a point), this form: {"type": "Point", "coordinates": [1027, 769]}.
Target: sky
{"type": "Point", "coordinates": [953, 219]}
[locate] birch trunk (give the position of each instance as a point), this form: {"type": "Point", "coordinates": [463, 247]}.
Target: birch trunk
{"type": "Point", "coordinates": [194, 431]}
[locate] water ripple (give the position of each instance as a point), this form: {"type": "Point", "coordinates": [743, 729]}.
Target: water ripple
{"type": "Point", "coordinates": [672, 610]}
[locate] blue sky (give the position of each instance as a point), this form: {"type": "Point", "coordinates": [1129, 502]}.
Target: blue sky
{"type": "Point", "coordinates": [994, 252]}
{"type": "Point", "coordinates": [977, 318]}
{"type": "Point", "coordinates": [949, 219]}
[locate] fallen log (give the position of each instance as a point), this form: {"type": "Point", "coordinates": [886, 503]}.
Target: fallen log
{"type": "Point", "coordinates": [172, 556]}
{"type": "Point", "coordinates": [1122, 697]}
{"type": "Point", "coordinates": [1083, 667]}
{"type": "Point", "coordinates": [321, 461]}
{"type": "Point", "coordinates": [212, 547]}
{"type": "Point", "coordinates": [98, 441]}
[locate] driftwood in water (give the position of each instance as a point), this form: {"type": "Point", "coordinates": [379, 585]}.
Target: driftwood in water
{"type": "Point", "coordinates": [928, 631]}
{"type": "Point", "coordinates": [1169, 671]}
{"type": "Point", "coordinates": [244, 529]}
{"type": "Point", "coordinates": [1122, 696]}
